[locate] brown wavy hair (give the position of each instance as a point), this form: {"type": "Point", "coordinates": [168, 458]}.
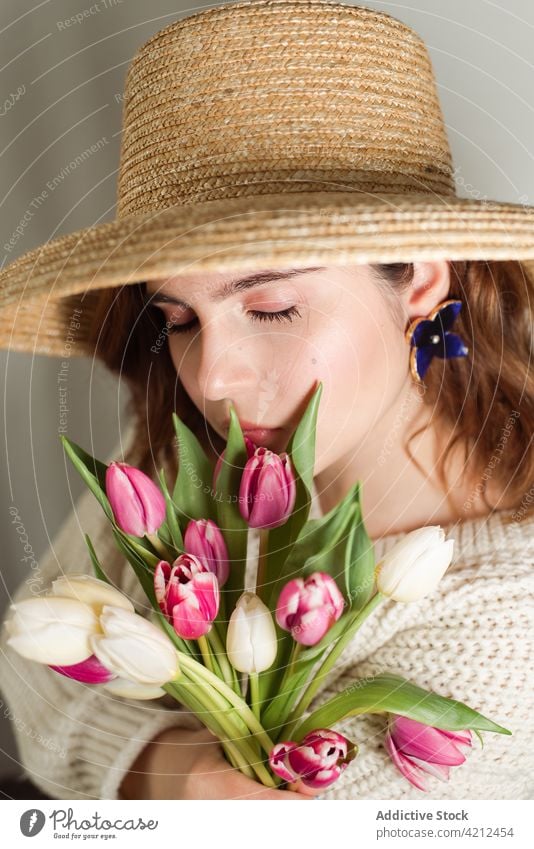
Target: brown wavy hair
{"type": "Point", "coordinates": [486, 399]}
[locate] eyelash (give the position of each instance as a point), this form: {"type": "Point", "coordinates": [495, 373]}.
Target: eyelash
{"type": "Point", "coordinates": [256, 315]}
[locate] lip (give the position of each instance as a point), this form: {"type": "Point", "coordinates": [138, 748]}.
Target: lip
{"type": "Point", "coordinates": [251, 427]}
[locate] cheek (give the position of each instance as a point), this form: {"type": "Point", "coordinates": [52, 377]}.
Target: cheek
{"type": "Point", "coordinates": [363, 364]}
{"type": "Point", "coordinates": [185, 365]}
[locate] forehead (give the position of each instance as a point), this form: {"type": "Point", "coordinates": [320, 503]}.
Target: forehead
{"type": "Point", "coordinates": [218, 286]}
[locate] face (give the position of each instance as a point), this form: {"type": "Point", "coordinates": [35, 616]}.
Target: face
{"type": "Point", "coordinates": [264, 349]}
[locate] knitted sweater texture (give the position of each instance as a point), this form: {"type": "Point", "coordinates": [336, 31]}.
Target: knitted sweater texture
{"type": "Point", "coordinates": [471, 640]}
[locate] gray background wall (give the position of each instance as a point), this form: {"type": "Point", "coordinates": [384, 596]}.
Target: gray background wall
{"type": "Point", "coordinates": [60, 93]}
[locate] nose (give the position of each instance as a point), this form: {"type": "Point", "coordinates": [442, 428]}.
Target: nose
{"type": "Point", "coordinates": [226, 363]}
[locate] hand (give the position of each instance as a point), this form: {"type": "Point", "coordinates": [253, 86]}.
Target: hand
{"type": "Point", "coordinates": [185, 764]}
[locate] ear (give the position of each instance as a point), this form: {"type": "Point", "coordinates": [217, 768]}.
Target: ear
{"type": "Point", "coordinates": [429, 287]}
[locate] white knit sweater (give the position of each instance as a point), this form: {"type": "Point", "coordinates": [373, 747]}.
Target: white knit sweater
{"type": "Point", "coordinates": [472, 640]}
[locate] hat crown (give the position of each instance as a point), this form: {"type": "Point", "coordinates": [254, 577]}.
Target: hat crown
{"type": "Point", "coordinates": [268, 96]}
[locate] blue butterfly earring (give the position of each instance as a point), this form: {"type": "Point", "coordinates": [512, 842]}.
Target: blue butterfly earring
{"type": "Point", "coordinates": [429, 337]}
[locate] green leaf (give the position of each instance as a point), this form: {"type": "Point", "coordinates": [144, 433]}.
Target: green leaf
{"type": "Point", "coordinates": [359, 562]}
{"type": "Point", "coordinates": [301, 450]}
{"type": "Point", "coordinates": [142, 548]}
{"type": "Point", "coordinates": [281, 540]}
{"type": "Point", "coordinates": [229, 519]}
{"type": "Point", "coordinates": [186, 646]}
{"type": "Point", "coordinates": [320, 546]}
{"type": "Point", "coordinates": [393, 694]}
{"type": "Point", "coordinates": [281, 700]}
{"type": "Point", "coordinates": [192, 494]}
{"type": "Point", "coordinates": [170, 528]}
{"type": "Point", "coordinates": [280, 704]}
{"type": "Point", "coordinates": [99, 572]}
{"type": "Point", "coordinates": [92, 472]}
{"type": "Point", "coordinates": [145, 576]}
{"type": "Point", "coordinates": [143, 572]}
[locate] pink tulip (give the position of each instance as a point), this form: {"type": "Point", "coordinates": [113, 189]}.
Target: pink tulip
{"type": "Point", "coordinates": [417, 749]}
{"type": "Point", "coordinates": [204, 539]}
{"type": "Point", "coordinates": [268, 489]}
{"type": "Point", "coordinates": [318, 760]}
{"type": "Point", "coordinates": [137, 503]}
{"type": "Point", "coordinates": [308, 607]}
{"type": "Point", "coordinates": [188, 595]}
{"type": "Point", "coordinates": [249, 445]}
{"type": "Point", "coordinates": [89, 671]}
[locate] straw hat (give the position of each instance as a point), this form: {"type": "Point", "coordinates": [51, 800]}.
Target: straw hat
{"type": "Point", "coordinates": [260, 134]}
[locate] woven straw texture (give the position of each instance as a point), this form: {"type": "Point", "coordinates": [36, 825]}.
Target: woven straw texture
{"type": "Point", "coordinates": [260, 134]}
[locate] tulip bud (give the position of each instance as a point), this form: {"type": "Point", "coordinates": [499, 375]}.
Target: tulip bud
{"type": "Point", "coordinates": [308, 607]}
{"type": "Point", "coordinates": [188, 595]}
{"type": "Point", "coordinates": [267, 490]}
{"type": "Point", "coordinates": [204, 539]}
{"type": "Point", "coordinates": [251, 638]}
{"type": "Point", "coordinates": [52, 630]}
{"type": "Point", "coordinates": [414, 566]}
{"type": "Point", "coordinates": [419, 750]}
{"type": "Point", "coordinates": [249, 445]}
{"type": "Point", "coordinates": [318, 760]}
{"type": "Point", "coordinates": [137, 503]}
{"type": "Point", "coordinates": [134, 648]}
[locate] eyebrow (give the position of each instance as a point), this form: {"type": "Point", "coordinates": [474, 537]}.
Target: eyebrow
{"type": "Point", "coordinates": [234, 286]}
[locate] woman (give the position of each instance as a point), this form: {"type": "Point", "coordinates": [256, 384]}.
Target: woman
{"type": "Point", "coordinates": [234, 163]}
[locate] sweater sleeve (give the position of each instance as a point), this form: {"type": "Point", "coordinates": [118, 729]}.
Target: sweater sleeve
{"type": "Point", "coordinates": [76, 741]}
{"type": "Point", "coordinates": [471, 640]}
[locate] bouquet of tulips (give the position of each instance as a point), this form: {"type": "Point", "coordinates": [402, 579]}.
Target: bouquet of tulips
{"type": "Point", "coordinates": [248, 663]}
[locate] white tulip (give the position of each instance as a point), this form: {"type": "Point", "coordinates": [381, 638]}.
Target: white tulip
{"type": "Point", "coordinates": [91, 590]}
{"type": "Point", "coordinates": [134, 648]}
{"type": "Point", "coordinates": [251, 638]}
{"type": "Point", "coordinates": [52, 630]}
{"type": "Point", "coordinates": [132, 690]}
{"type": "Point", "coordinates": [415, 565]}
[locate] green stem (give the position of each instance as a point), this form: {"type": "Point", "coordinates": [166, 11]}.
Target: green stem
{"type": "Point", "coordinates": [207, 717]}
{"type": "Point", "coordinates": [236, 758]}
{"type": "Point", "coordinates": [290, 668]}
{"type": "Point", "coordinates": [206, 653]}
{"type": "Point", "coordinates": [327, 664]}
{"type": "Point", "coordinates": [255, 701]}
{"type": "Point", "coordinates": [228, 671]}
{"type": "Point", "coordinates": [261, 588]}
{"type": "Point", "coordinates": [202, 675]}
{"type": "Point", "coordinates": [159, 546]}
{"type": "Point", "coordinates": [218, 706]}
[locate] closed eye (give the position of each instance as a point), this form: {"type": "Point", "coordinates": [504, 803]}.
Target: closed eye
{"type": "Point", "coordinates": [255, 315]}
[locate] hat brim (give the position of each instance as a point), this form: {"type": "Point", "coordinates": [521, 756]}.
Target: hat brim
{"type": "Point", "coordinates": [41, 289]}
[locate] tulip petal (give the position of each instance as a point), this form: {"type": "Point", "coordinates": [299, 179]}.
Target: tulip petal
{"type": "Point", "coordinates": [312, 626]}
{"type": "Point", "coordinates": [125, 503]}
{"type": "Point", "coordinates": [410, 771]}
{"type": "Point", "coordinates": [278, 760]}
{"type": "Point", "coordinates": [323, 777]}
{"type": "Point", "coordinates": [132, 690]}
{"type": "Point", "coordinates": [426, 573]}
{"type": "Point", "coordinates": [90, 590]}
{"type": "Point", "coordinates": [150, 497]}
{"type": "Point", "coordinates": [425, 742]}
{"type": "Point", "coordinates": [89, 671]}
{"type": "Point", "coordinates": [139, 660]}
{"type": "Point", "coordinates": [162, 573]}
{"type": "Point", "coordinates": [52, 630]}
{"type": "Point", "coordinates": [188, 620]}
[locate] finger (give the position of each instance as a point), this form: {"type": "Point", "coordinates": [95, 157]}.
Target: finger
{"type": "Point", "coordinates": [250, 789]}
{"type": "Point", "coordinates": [303, 789]}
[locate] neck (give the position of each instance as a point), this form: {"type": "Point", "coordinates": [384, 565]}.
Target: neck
{"type": "Point", "coordinates": [398, 494]}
